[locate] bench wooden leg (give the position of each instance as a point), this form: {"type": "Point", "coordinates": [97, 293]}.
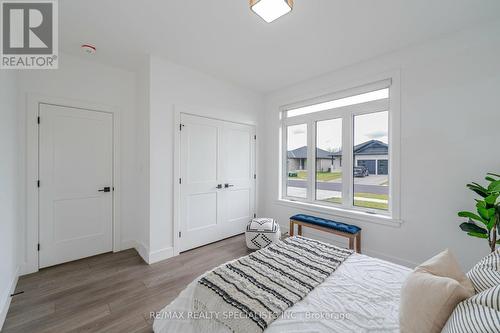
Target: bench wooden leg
{"type": "Point", "coordinates": [358, 242]}
{"type": "Point", "coordinates": [354, 239]}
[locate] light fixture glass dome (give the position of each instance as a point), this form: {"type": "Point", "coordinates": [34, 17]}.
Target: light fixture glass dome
{"type": "Point", "coordinates": [270, 10]}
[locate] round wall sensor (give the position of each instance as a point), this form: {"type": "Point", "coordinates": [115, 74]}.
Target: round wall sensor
{"type": "Point", "coordinates": [89, 49]}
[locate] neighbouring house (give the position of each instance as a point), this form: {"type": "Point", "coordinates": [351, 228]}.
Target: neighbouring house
{"type": "Point", "coordinates": [297, 160]}
{"type": "Point", "coordinates": [372, 154]}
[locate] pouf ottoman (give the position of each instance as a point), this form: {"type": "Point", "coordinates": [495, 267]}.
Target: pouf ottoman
{"type": "Point", "coordinates": [261, 232]}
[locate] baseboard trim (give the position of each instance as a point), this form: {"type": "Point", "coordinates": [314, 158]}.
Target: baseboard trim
{"type": "Point", "coordinates": [146, 255]}
{"type": "Point", "coordinates": [128, 244]}
{"type": "Point", "coordinates": [161, 255]}
{"type": "Point", "coordinates": [139, 247]}
{"type": "Point", "coordinates": [5, 301]}
{"type": "Point", "coordinates": [321, 236]}
{"type": "Point", "coordinates": [26, 269]}
{"type": "Point", "coordinates": [143, 252]}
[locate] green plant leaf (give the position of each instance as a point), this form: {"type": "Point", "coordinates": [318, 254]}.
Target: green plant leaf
{"type": "Point", "coordinates": [498, 241]}
{"type": "Point", "coordinates": [491, 199]}
{"type": "Point", "coordinates": [484, 213]}
{"type": "Point", "coordinates": [478, 189]}
{"type": "Point", "coordinates": [493, 174]}
{"type": "Point", "coordinates": [494, 187]}
{"type": "Point", "coordinates": [491, 212]}
{"type": "Point", "coordinates": [495, 182]}
{"type": "Point", "coordinates": [481, 204]}
{"type": "Point", "coordinates": [472, 216]}
{"type": "Point", "coordinates": [472, 227]}
{"type": "Point", "coordinates": [490, 179]}
{"type": "Point", "coordinates": [492, 222]}
{"type": "Point", "coordinates": [478, 235]}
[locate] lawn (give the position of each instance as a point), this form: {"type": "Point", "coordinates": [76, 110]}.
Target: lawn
{"type": "Point", "coordinates": [370, 204]}
{"type": "Point", "coordinates": [321, 176]}
{"type": "Point", "coordinates": [364, 203]}
{"type": "Point", "coordinates": [371, 196]}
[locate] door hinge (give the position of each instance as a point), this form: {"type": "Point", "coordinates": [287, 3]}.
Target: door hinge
{"type": "Point", "coordinates": [255, 137]}
{"type": "Point", "coordinates": [180, 234]}
{"type": "Point", "coordinates": [38, 247]}
{"type": "Point", "coordinates": [38, 183]}
{"type": "Point", "coordinates": [254, 176]}
{"type": "Point", "coordinates": [181, 126]}
{"type": "Point", "coordinates": [180, 180]}
{"type": "Point", "coordinates": [254, 215]}
{"type": "Point", "coordinates": [38, 120]}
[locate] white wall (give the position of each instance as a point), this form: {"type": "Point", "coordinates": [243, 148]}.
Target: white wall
{"type": "Point", "coordinates": [141, 206]}
{"type": "Point", "coordinates": [83, 80]}
{"type": "Point", "coordinates": [9, 189]}
{"type": "Point", "coordinates": [450, 134]}
{"type": "Point", "coordinates": [172, 84]}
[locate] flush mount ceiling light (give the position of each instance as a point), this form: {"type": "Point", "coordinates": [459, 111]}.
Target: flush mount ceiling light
{"type": "Point", "coordinates": [270, 10]}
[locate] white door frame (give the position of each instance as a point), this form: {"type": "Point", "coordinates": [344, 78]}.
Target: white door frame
{"type": "Point", "coordinates": [32, 196]}
{"type": "Point", "coordinates": [200, 112]}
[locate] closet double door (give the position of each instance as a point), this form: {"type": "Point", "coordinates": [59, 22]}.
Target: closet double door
{"type": "Point", "coordinates": [217, 179]}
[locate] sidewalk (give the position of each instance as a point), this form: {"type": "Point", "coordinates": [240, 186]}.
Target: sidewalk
{"type": "Point", "coordinates": [300, 192]}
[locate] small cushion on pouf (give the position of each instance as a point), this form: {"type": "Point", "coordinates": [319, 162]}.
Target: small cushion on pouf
{"type": "Point", "coordinates": [349, 228]}
{"type": "Point", "coordinates": [261, 232]}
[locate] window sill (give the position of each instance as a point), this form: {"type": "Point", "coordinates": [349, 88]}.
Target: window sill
{"type": "Point", "coordinates": [351, 215]}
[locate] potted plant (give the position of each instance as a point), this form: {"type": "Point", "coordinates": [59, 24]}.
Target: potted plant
{"type": "Point", "coordinates": [485, 223]}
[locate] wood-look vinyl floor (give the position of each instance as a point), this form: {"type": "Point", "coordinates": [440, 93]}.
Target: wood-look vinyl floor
{"type": "Point", "coordinates": [112, 292]}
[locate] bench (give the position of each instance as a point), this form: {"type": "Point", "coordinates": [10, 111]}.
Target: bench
{"type": "Point", "coordinates": [352, 232]}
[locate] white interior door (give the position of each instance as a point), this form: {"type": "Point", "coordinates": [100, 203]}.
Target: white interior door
{"type": "Point", "coordinates": [75, 172]}
{"type": "Point", "coordinates": [217, 195]}
{"type": "Point", "coordinates": [238, 196]}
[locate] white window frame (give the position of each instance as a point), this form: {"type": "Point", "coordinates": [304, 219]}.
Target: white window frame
{"type": "Point", "coordinates": [347, 114]}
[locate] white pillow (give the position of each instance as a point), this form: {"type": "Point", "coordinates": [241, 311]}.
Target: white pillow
{"type": "Point", "coordinates": [431, 293]}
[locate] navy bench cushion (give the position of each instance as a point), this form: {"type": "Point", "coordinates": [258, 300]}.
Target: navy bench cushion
{"type": "Point", "coordinates": [352, 229]}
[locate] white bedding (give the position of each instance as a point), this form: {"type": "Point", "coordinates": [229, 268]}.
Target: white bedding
{"type": "Point", "coordinates": [362, 295]}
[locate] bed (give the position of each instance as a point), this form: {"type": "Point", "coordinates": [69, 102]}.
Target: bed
{"type": "Point", "coordinates": [361, 295]}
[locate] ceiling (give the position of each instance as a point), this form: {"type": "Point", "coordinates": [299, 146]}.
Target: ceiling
{"type": "Point", "coordinates": [225, 39]}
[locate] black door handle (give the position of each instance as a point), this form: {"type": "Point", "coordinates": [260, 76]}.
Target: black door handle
{"type": "Point", "coordinates": [219, 186]}
{"type": "Point", "coordinates": [105, 189]}
{"type": "Point", "coordinates": [228, 185]}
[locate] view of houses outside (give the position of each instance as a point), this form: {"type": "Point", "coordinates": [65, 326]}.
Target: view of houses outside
{"type": "Point", "coordinates": [371, 151]}
{"type": "Point", "coordinates": [371, 165]}
{"type": "Point", "coordinates": [297, 161]}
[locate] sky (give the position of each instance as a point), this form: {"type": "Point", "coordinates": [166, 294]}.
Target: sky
{"type": "Point", "coordinates": [329, 132]}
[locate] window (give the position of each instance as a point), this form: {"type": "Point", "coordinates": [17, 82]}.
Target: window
{"type": "Point", "coordinates": [297, 182]}
{"type": "Point", "coordinates": [351, 100]}
{"type": "Point", "coordinates": [329, 161]}
{"type": "Point", "coordinates": [338, 151]}
{"type": "Point", "coordinates": [371, 146]}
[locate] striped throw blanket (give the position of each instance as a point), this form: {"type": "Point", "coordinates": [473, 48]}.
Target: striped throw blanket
{"type": "Point", "coordinates": [248, 294]}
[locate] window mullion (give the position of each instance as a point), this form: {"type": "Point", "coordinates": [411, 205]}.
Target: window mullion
{"type": "Point", "coordinates": [347, 161]}
{"type": "Point", "coordinates": [284, 160]}
{"type": "Point", "coordinates": [311, 161]}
